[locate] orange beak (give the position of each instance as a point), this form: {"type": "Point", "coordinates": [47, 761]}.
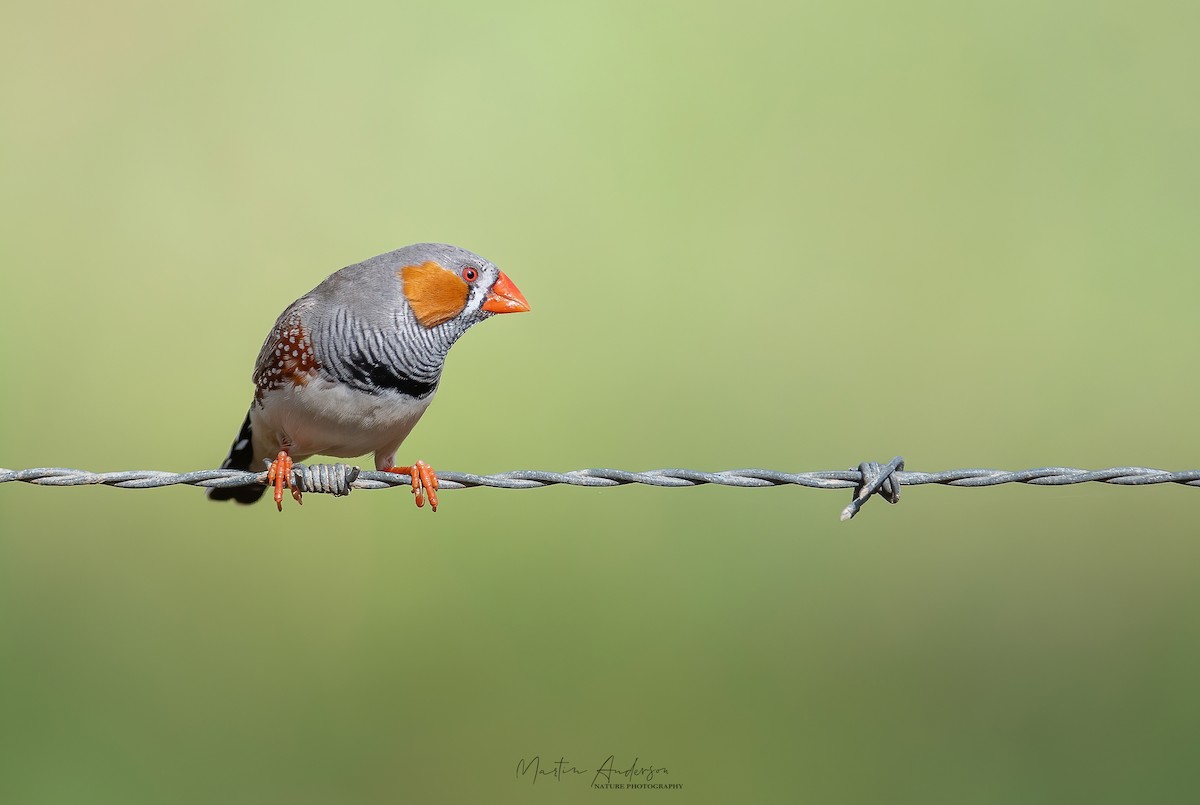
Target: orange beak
{"type": "Point", "coordinates": [505, 297]}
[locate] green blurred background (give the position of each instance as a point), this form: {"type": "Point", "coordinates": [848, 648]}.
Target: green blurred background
{"type": "Point", "coordinates": [753, 234]}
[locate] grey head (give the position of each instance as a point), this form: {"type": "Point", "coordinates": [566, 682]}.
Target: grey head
{"type": "Point", "coordinates": [436, 285]}
{"type": "Point", "coordinates": [408, 306]}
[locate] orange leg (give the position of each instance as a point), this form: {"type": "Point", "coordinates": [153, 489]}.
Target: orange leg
{"type": "Point", "coordinates": [280, 474]}
{"type": "Point", "coordinates": [424, 482]}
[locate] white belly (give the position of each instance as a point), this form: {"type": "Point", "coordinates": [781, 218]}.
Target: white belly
{"type": "Point", "coordinates": [323, 418]}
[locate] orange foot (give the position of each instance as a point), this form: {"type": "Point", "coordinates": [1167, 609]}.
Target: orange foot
{"type": "Point", "coordinates": [280, 474]}
{"type": "Point", "coordinates": [424, 481]}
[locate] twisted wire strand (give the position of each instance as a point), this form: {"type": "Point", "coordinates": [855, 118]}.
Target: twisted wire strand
{"type": "Point", "coordinates": [674, 477]}
{"type": "Point", "coordinates": [869, 479]}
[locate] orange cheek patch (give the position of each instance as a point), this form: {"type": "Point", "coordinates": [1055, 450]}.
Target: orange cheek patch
{"type": "Point", "coordinates": [434, 294]}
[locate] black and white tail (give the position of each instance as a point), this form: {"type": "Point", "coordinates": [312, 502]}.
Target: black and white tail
{"type": "Point", "coordinates": [241, 455]}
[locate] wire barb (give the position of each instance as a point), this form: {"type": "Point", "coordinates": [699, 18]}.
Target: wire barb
{"type": "Point", "coordinates": [866, 480]}
{"type": "Point", "coordinates": [875, 479]}
{"type": "Point", "coordinates": [333, 479]}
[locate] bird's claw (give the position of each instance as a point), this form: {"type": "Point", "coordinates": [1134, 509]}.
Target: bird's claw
{"type": "Point", "coordinates": [424, 482]}
{"type": "Point", "coordinates": [279, 475]}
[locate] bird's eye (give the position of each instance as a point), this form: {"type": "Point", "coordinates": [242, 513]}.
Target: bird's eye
{"type": "Point", "coordinates": [470, 274]}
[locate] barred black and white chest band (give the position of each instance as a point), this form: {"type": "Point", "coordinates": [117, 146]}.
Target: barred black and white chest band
{"type": "Point", "coordinates": [405, 358]}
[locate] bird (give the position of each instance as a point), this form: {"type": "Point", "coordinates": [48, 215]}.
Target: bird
{"type": "Point", "coordinates": [350, 367]}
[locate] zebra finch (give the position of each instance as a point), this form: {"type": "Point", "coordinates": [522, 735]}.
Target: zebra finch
{"type": "Point", "coordinates": [350, 367]}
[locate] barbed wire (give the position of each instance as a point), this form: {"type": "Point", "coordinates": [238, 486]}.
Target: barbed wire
{"type": "Point", "coordinates": [868, 479]}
